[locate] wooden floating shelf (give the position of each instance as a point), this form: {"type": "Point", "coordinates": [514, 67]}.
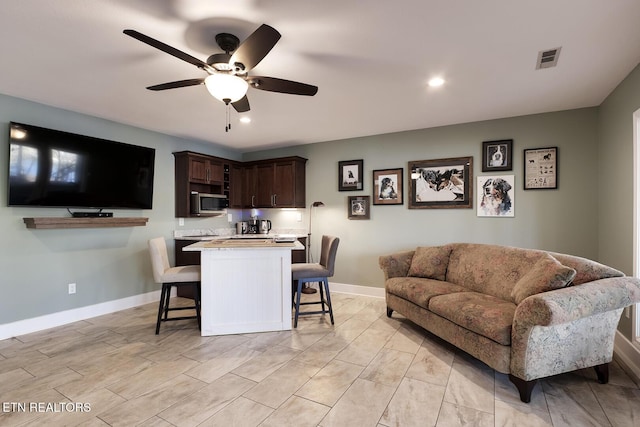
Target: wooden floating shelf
{"type": "Point", "coordinates": [53, 222]}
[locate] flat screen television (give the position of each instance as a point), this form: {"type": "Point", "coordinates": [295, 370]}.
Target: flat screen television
{"type": "Point", "coordinates": [51, 168]}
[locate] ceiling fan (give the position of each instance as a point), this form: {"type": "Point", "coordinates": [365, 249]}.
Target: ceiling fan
{"type": "Point", "coordinates": [229, 78]}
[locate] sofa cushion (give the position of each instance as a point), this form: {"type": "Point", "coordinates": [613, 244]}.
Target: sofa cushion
{"type": "Point", "coordinates": [490, 269]}
{"type": "Point", "coordinates": [586, 269]}
{"type": "Point", "coordinates": [483, 314]}
{"type": "Point", "coordinates": [418, 290]}
{"type": "Point", "coordinates": [430, 262]}
{"type": "Point", "coordinates": [546, 275]}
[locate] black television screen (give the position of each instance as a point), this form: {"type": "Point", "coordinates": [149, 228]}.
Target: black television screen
{"type": "Point", "coordinates": [59, 169]}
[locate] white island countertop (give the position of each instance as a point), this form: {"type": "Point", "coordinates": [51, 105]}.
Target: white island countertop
{"type": "Point", "coordinates": [222, 234]}
{"type": "Point", "coordinates": [243, 243]}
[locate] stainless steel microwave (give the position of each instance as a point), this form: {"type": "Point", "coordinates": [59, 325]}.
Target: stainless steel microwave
{"type": "Point", "coordinates": [208, 204]}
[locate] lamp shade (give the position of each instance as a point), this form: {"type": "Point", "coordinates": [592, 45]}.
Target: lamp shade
{"type": "Point", "coordinates": [226, 87]}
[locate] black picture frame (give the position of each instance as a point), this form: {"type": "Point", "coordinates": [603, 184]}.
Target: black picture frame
{"type": "Point", "coordinates": [350, 176]}
{"type": "Point", "coordinates": [497, 155]}
{"type": "Point", "coordinates": [358, 207]}
{"type": "Point", "coordinates": [541, 168]}
{"type": "Point", "coordinates": [441, 183]}
{"type": "Point", "coordinates": [388, 187]}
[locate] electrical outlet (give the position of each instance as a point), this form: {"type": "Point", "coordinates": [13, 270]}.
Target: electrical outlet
{"type": "Point", "coordinates": [72, 288]}
{"type": "Point", "coordinates": [230, 217]}
{"type": "Point", "coordinates": [180, 222]}
{"type": "Point", "coordinates": [299, 216]}
{"type": "Point", "coordinates": [627, 311]}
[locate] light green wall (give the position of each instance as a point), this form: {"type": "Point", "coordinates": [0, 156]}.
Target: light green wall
{"type": "Point", "coordinates": [615, 182]}
{"type": "Point", "coordinates": [106, 264]}
{"type": "Point", "coordinates": [563, 220]}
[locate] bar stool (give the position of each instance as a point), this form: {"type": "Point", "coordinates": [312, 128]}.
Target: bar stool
{"type": "Point", "coordinates": [168, 276]}
{"type": "Point", "coordinates": [315, 272]}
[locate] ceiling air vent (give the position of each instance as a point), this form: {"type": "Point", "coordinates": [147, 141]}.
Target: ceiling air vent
{"type": "Point", "coordinates": [548, 58]}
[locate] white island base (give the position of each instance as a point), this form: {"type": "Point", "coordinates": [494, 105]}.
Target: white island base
{"type": "Point", "coordinates": [246, 286]}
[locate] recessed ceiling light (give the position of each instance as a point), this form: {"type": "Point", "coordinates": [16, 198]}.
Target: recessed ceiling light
{"type": "Point", "coordinates": [436, 82]}
{"type": "Point", "coordinates": [245, 119]}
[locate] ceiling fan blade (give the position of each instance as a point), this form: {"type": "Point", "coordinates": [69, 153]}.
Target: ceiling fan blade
{"type": "Point", "coordinates": [176, 84]}
{"type": "Point", "coordinates": [273, 84]}
{"type": "Point", "coordinates": [241, 105]}
{"type": "Point", "coordinates": [255, 47]}
{"type": "Point", "coordinates": [167, 49]}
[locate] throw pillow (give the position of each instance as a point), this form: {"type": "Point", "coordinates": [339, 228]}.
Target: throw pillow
{"type": "Point", "coordinates": [546, 275]}
{"type": "Point", "coordinates": [430, 262]}
{"type": "Point", "coordinates": [586, 269]}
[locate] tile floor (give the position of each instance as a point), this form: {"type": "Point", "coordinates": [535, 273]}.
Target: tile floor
{"type": "Point", "coordinates": [367, 370]}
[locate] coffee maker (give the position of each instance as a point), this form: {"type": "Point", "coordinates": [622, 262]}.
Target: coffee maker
{"type": "Point", "coordinates": [254, 223]}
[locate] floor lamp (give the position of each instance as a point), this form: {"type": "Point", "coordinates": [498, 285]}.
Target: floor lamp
{"type": "Point", "coordinates": [308, 289]}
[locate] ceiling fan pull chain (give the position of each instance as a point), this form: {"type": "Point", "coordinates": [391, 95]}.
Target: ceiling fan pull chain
{"type": "Point", "coordinates": [227, 126]}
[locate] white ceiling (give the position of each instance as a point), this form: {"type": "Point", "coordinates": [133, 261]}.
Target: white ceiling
{"type": "Point", "coordinates": [370, 59]}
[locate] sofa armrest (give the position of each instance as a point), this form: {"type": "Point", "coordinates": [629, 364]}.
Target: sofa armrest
{"type": "Point", "coordinates": [396, 265]}
{"type": "Point", "coordinates": [577, 302]}
{"type": "Point", "coordinates": [569, 328]}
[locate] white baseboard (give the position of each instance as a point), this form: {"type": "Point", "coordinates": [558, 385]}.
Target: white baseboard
{"type": "Point", "coordinates": [628, 354]}
{"type": "Point", "coordinates": [367, 291]}
{"type": "Point", "coordinates": [35, 324]}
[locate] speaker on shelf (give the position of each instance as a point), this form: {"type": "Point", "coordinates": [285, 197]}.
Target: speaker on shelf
{"type": "Point", "coordinates": [92, 214]}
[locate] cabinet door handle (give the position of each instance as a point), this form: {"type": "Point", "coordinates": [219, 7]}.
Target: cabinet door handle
{"type": "Point", "coordinates": [252, 198]}
{"type": "Point", "coordinates": [273, 198]}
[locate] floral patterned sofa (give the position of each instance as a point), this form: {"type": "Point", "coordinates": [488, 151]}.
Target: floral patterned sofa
{"type": "Point", "coordinates": [527, 313]}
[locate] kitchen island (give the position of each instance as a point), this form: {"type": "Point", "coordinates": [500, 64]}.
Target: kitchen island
{"type": "Point", "coordinates": [246, 285]}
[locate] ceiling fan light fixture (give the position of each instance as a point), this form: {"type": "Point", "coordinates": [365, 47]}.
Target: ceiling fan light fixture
{"type": "Point", "coordinates": [226, 87]}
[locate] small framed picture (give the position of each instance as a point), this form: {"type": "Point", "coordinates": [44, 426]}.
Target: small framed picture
{"type": "Point", "coordinates": [541, 168]}
{"type": "Point", "coordinates": [358, 207]}
{"type": "Point", "coordinates": [497, 155]}
{"type": "Point", "coordinates": [387, 187]}
{"type": "Point", "coordinates": [496, 195]}
{"type": "Point", "coordinates": [350, 175]}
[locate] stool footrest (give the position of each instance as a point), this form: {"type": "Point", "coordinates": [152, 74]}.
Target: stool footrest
{"type": "Point", "coordinates": [192, 307]}
{"type": "Point", "coordinates": [179, 318]}
{"type": "Point", "coordinates": [303, 313]}
{"type": "Point", "coordinates": [314, 302]}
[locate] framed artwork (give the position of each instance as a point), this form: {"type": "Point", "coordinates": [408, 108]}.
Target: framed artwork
{"type": "Point", "coordinates": [497, 155]}
{"type": "Point", "coordinates": [541, 168]}
{"type": "Point", "coordinates": [387, 187]}
{"type": "Point", "coordinates": [441, 183]}
{"type": "Point", "coordinates": [350, 175]}
{"type": "Point", "coordinates": [358, 207]}
{"type": "Point", "coordinates": [496, 195]}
